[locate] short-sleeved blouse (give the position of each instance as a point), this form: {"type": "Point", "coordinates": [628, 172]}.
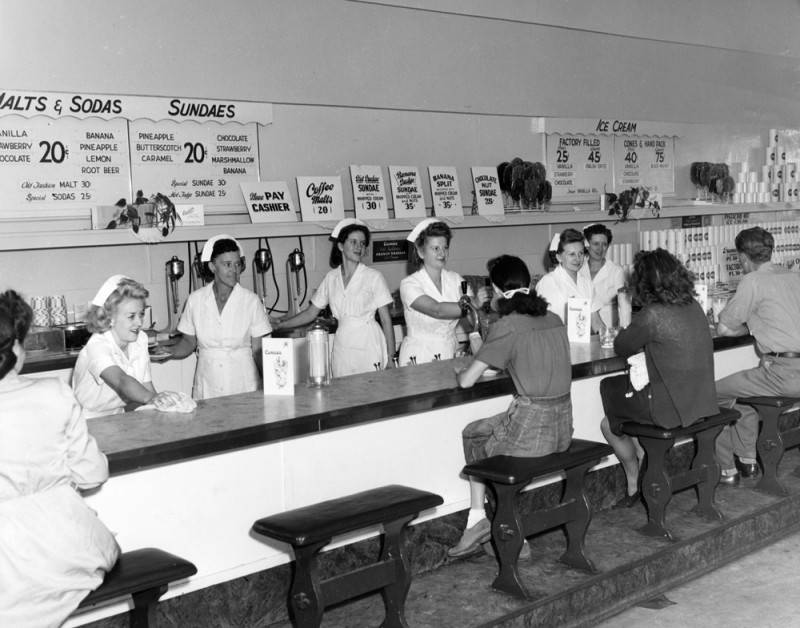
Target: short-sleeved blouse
{"type": "Point", "coordinates": [94, 395]}
{"type": "Point", "coordinates": [557, 287]}
{"type": "Point", "coordinates": [534, 349]}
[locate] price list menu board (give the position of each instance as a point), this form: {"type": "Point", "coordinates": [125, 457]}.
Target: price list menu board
{"type": "Point", "coordinates": [67, 163]}
{"type": "Point", "coordinates": [647, 161]}
{"type": "Point", "coordinates": [580, 165]}
{"type": "Point", "coordinates": [192, 162]}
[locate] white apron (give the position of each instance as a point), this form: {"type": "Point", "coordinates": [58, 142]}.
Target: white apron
{"type": "Point", "coordinates": [224, 371]}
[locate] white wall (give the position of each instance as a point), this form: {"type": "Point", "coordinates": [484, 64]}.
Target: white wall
{"type": "Point", "coordinates": [440, 83]}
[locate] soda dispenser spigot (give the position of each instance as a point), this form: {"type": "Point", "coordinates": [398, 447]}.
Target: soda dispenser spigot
{"type": "Point", "coordinates": [294, 264]}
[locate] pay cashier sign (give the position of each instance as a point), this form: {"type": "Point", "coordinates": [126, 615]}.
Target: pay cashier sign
{"type": "Point", "coordinates": [320, 198]}
{"type": "Point", "coordinates": [268, 201]}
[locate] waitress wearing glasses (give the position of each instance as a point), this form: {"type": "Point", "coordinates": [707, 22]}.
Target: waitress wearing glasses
{"type": "Point", "coordinates": [224, 323]}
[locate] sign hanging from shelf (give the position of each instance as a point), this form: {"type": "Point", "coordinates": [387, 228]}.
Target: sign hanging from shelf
{"type": "Point", "coordinates": [369, 193]}
{"type": "Point", "coordinates": [444, 191]}
{"type": "Point", "coordinates": [320, 198]}
{"type": "Point", "coordinates": [407, 196]}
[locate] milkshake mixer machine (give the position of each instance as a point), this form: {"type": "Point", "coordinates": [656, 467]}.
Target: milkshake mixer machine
{"type": "Point", "coordinates": [173, 271]}
{"type": "Point", "coordinates": [294, 265]}
{"type": "Point", "coordinates": [262, 262]}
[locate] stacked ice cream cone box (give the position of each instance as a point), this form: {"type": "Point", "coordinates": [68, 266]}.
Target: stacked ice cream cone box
{"type": "Point", "coordinates": [776, 181]}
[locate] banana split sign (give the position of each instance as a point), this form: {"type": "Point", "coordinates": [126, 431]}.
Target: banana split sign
{"type": "Point", "coordinates": [81, 105]}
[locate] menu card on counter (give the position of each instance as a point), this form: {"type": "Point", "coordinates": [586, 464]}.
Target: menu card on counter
{"type": "Point", "coordinates": [444, 191]}
{"type": "Point", "coordinates": [277, 355]}
{"type": "Point", "coordinates": [488, 196]}
{"type": "Point", "coordinates": [192, 162]}
{"type": "Point", "coordinates": [407, 196]}
{"type": "Point", "coordinates": [320, 198]}
{"type": "Point", "coordinates": [268, 201]}
{"type": "Point", "coordinates": [67, 163]}
{"type": "Point", "coordinates": [369, 193]}
{"type": "Point", "coordinates": [579, 319]}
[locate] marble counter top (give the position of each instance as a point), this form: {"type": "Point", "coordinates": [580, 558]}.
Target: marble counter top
{"type": "Point", "coordinates": [142, 439]}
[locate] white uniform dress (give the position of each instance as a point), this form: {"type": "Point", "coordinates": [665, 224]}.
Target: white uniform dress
{"type": "Point", "coordinates": [225, 364]}
{"type": "Point", "coordinates": [359, 342]}
{"type": "Point", "coordinates": [426, 336]}
{"type": "Point", "coordinates": [54, 548]}
{"type": "Point", "coordinates": [557, 287]}
{"type": "Point", "coordinates": [606, 284]}
{"type": "Point", "coordinates": [95, 396]}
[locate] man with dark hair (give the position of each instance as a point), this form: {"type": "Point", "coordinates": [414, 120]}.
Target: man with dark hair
{"type": "Point", "coordinates": [767, 306]}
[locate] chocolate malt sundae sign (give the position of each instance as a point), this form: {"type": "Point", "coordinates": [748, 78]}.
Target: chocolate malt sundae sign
{"type": "Point", "coordinates": [369, 193]}
{"type": "Point", "coordinates": [320, 198]}
{"type": "Point", "coordinates": [444, 190]}
{"type": "Point", "coordinates": [409, 201]}
{"type": "Point", "coordinates": [488, 196]}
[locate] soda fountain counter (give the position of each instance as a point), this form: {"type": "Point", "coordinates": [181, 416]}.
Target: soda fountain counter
{"type": "Point", "coordinates": [194, 483]}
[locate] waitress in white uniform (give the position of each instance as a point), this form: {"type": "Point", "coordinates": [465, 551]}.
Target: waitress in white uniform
{"type": "Point", "coordinates": [354, 293]}
{"type": "Point", "coordinates": [224, 322]}
{"type": "Point", "coordinates": [567, 252]}
{"type": "Point", "coordinates": [432, 299]}
{"type": "Point", "coordinates": [606, 276]}
{"type": "Point", "coordinates": [112, 371]}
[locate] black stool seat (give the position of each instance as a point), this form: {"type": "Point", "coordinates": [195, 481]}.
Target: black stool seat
{"type": "Point", "coordinates": [658, 486]}
{"type": "Point", "coordinates": [145, 575]}
{"type": "Point", "coordinates": [771, 442]}
{"type": "Point", "coordinates": [310, 528]}
{"type": "Point", "coordinates": [327, 519]}
{"type": "Point", "coordinates": [506, 476]}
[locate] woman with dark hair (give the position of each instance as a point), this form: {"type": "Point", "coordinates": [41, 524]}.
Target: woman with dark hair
{"type": "Point", "coordinates": [532, 344]}
{"type": "Point", "coordinates": [566, 254]}
{"type": "Point", "coordinates": [113, 369]}
{"type": "Point", "coordinates": [54, 548]}
{"type": "Point", "coordinates": [606, 276]}
{"type": "Point", "coordinates": [354, 293]}
{"type": "Point", "coordinates": [432, 299]}
{"type": "Point", "coordinates": [224, 322]}
{"type": "Point", "coordinates": [672, 330]}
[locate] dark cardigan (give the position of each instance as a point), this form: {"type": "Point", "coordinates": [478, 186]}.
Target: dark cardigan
{"type": "Point", "coordinates": [680, 360]}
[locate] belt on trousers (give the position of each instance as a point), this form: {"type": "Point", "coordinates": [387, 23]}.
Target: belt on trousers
{"type": "Point", "coordinates": [783, 354]}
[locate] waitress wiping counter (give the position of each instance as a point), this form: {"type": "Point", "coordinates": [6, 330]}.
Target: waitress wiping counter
{"type": "Point", "coordinates": [432, 299]}
{"type": "Point", "coordinates": [224, 322]}
{"type": "Point", "coordinates": [113, 369]}
{"type": "Point", "coordinates": [354, 292]}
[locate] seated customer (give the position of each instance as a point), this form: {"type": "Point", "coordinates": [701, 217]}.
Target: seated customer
{"type": "Point", "coordinates": [54, 548]}
{"type": "Point", "coordinates": [766, 305]}
{"type": "Point", "coordinates": [532, 344]}
{"type": "Point", "coordinates": [113, 369]}
{"type": "Point", "coordinates": [672, 330]}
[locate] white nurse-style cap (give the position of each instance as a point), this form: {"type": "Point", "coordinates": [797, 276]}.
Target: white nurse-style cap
{"type": "Point", "coordinates": [208, 247]}
{"type": "Point", "coordinates": [554, 242]}
{"type": "Point", "coordinates": [106, 289]}
{"type": "Point", "coordinates": [346, 222]}
{"type": "Point", "coordinates": [421, 226]}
